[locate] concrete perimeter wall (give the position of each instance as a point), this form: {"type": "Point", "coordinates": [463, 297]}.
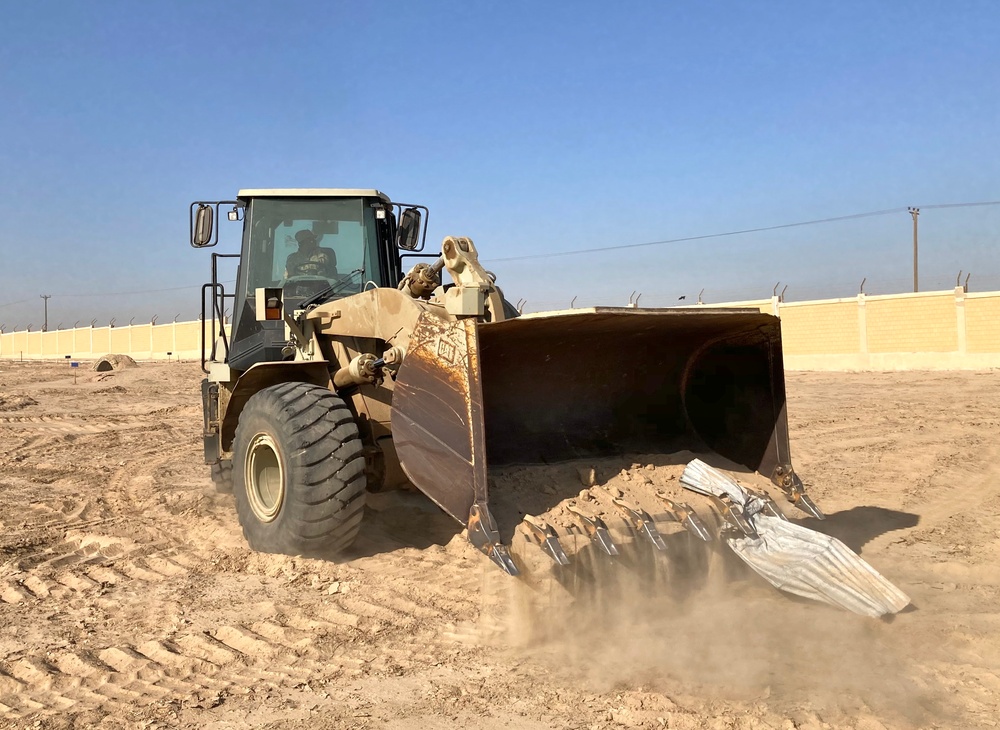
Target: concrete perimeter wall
{"type": "Point", "coordinates": [176, 340]}
{"type": "Point", "coordinates": [943, 330]}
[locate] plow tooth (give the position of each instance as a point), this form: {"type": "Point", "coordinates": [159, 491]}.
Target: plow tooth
{"type": "Point", "coordinates": [733, 516]}
{"type": "Point", "coordinates": [806, 504]}
{"type": "Point", "coordinates": [685, 514]}
{"type": "Point", "coordinates": [547, 538]}
{"type": "Point", "coordinates": [770, 507]}
{"type": "Point", "coordinates": [789, 482]}
{"type": "Point", "coordinates": [483, 535]}
{"type": "Point", "coordinates": [597, 531]}
{"type": "Point", "coordinates": [641, 522]}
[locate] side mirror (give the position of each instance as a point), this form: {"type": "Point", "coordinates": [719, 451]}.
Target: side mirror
{"type": "Point", "coordinates": [201, 234]}
{"type": "Point", "coordinates": [408, 233]}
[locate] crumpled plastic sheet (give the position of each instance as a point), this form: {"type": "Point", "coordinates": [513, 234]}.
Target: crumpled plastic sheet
{"type": "Point", "coordinates": [796, 559]}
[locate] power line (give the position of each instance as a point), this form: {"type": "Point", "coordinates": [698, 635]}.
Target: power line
{"type": "Point", "coordinates": [10, 304]}
{"type": "Point", "coordinates": [138, 291]}
{"type": "Point", "coordinates": [960, 205]}
{"type": "Point", "coordinates": [121, 293]}
{"type": "Point", "coordinates": [818, 221]}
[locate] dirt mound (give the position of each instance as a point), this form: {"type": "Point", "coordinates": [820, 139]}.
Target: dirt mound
{"type": "Point", "coordinates": [547, 491]}
{"type": "Point", "coordinates": [113, 390]}
{"type": "Point", "coordinates": [114, 362]}
{"type": "Point", "coordinates": [14, 402]}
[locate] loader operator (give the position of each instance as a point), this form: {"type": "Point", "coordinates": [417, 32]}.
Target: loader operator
{"type": "Point", "coordinates": [310, 259]}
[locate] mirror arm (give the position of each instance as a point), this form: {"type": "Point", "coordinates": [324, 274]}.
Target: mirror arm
{"type": "Point", "coordinates": [214, 204]}
{"type": "Point", "coordinates": [426, 217]}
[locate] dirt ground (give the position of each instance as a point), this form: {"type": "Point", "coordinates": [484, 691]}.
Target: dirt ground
{"type": "Point", "coordinates": [128, 598]}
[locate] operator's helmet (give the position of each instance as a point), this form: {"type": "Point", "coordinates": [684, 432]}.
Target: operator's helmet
{"type": "Point", "coordinates": [306, 236]}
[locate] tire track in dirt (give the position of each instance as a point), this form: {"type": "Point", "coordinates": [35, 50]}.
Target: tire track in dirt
{"type": "Point", "coordinates": [299, 641]}
{"type": "Point", "coordinates": [957, 492]}
{"type": "Point", "coordinates": [195, 663]}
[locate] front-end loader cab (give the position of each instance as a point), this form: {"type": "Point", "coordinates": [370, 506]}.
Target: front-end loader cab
{"type": "Point", "coordinates": [305, 242]}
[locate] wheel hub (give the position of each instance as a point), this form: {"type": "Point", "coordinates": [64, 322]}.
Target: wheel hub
{"type": "Point", "coordinates": [264, 477]}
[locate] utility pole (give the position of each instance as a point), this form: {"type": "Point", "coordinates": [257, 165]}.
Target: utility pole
{"type": "Point", "coordinates": [915, 212]}
{"type": "Point", "coordinates": [46, 297]}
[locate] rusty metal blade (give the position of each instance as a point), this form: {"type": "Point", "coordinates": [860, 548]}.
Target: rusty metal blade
{"type": "Point", "coordinates": [437, 415]}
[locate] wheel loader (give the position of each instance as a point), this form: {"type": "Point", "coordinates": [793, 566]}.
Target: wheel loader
{"type": "Point", "coordinates": [358, 361]}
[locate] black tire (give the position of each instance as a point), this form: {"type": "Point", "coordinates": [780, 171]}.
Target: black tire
{"type": "Point", "coordinates": [222, 476]}
{"type": "Point", "coordinates": [298, 471]}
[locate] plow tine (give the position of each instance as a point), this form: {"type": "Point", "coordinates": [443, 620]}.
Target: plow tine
{"type": "Point", "coordinates": [770, 506]}
{"type": "Point", "coordinates": [597, 531]}
{"type": "Point", "coordinates": [547, 538]}
{"type": "Point", "coordinates": [683, 513]}
{"type": "Point", "coordinates": [641, 522]}
{"type": "Point", "coordinates": [805, 504]}
{"type": "Point", "coordinates": [483, 534]}
{"type": "Point", "coordinates": [733, 516]}
{"type": "Point", "coordinates": [786, 478]}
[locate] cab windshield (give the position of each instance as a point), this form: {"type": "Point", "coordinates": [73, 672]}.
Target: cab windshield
{"type": "Point", "coordinates": [307, 245]}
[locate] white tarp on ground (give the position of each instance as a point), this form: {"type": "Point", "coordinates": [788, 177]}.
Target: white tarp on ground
{"type": "Point", "coordinates": [797, 559]}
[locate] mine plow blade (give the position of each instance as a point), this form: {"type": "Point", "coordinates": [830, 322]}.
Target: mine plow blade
{"type": "Point", "coordinates": [474, 397]}
{"type": "Point", "coordinates": [791, 557]}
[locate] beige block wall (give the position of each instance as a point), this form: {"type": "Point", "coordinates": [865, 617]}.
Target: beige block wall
{"type": "Point", "coordinates": [948, 330]}
{"type": "Point", "coordinates": [917, 324]}
{"type": "Point", "coordinates": [162, 339]}
{"type": "Point", "coordinates": [189, 336]}
{"type": "Point", "coordinates": [938, 330]}
{"type": "Point", "coordinates": [982, 323]}
{"type": "Point", "coordinates": [820, 328]}
{"type": "Point", "coordinates": [120, 341]}
{"type": "Point", "coordinates": [143, 342]}
{"type": "Point", "coordinates": [102, 341]}
{"type": "Point", "coordinates": [81, 339]}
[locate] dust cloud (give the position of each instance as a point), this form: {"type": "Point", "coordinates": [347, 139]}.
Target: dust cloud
{"type": "Point", "coordinates": [693, 619]}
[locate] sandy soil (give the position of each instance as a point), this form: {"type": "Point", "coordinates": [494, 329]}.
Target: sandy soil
{"type": "Point", "coordinates": [129, 600]}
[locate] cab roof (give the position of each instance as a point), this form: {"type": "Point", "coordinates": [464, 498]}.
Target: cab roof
{"type": "Point", "coordinates": [312, 193]}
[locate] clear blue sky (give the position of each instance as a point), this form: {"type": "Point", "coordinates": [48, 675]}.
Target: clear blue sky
{"type": "Point", "coordinates": [531, 127]}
